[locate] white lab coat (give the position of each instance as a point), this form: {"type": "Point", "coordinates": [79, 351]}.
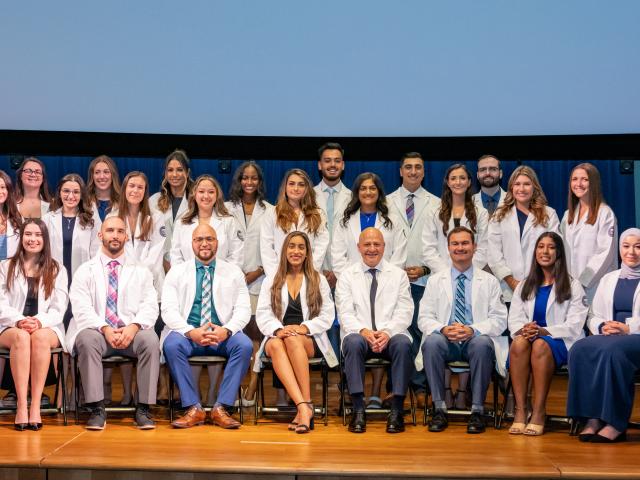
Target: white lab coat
{"type": "Point", "coordinates": [340, 201]}
{"type": "Point", "coordinates": [85, 240]}
{"type": "Point", "coordinates": [434, 242]}
{"type": "Point", "coordinates": [318, 326]}
{"type": "Point", "coordinates": [344, 248]}
{"type": "Point", "coordinates": [230, 297]}
{"type": "Point", "coordinates": [272, 237]}
{"type": "Point", "coordinates": [230, 244]}
{"type": "Point", "coordinates": [477, 199]}
{"type": "Point", "coordinates": [44, 208]}
{"type": "Point", "coordinates": [488, 310]}
{"type": "Point", "coordinates": [394, 305]}
{"type": "Point", "coordinates": [147, 253]}
{"type": "Point", "coordinates": [168, 219]}
{"type": "Point", "coordinates": [510, 254]}
{"type": "Point", "coordinates": [424, 202]}
{"type": "Point", "coordinates": [13, 239]}
{"type": "Point", "coordinates": [602, 305]}
{"type": "Point", "coordinates": [50, 310]}
{"type": "Point", "coordinates": [564, 320]}
{"type": "Point", "coordinates": [137, 298]}
{"type": "Point", "coordinates": [251, 236]}
{"type": "Point", "coordinates": [592, 250]}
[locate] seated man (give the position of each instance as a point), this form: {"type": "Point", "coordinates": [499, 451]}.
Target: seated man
{"type": "Point", "coordinates": [115, 307]}
{"type": "Point", "coordinates": [375, 309]}
{"type": "Point", "coordinates": [205, 306]}
{"type": "Point", "coordinates": [462, 317]}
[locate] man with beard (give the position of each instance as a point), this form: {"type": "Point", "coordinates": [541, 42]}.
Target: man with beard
{"type": "Point", "coordinates": [491, 195]}
{"type": "Point", "coordinates": [205, 306]}
{"type": "Point", "coordinates": [114, 308]}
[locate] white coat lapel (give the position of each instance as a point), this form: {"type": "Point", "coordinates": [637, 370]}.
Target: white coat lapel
{"type": "Point", "coordinates": [354, 226]}
{"type": "Point", "coordinates": [478, 301]}
{"type": "Point", "coordinates": [101, 287]}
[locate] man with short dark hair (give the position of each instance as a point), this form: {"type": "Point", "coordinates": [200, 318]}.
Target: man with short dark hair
{"type": "Point", "coordinates": [491, 195]}
{"type": "Point", "coordinates": [462, 316]}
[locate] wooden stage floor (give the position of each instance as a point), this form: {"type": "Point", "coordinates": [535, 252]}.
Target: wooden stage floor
{"type": "Point", "coordinates": [269, 450]}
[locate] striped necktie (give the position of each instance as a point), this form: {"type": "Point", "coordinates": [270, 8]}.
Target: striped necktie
{"type": "Point", "coordinates": [206, 297]}
{"type": "Point", "coordinates": [410, 209]}
{"type": "Point", "coordinates": [459, 315]}
{"type": "Point", "coordinates": [111, 312]}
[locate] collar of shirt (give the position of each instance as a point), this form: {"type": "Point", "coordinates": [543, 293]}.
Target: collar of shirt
{"type": "Point", "coordinates": [405, 193]}
{"type": "Point", "coordinates": [495, 197]}
{"type": "Point", "coordinates": [468, 273]}
{"type": "Point", "coordinates": [366, 268]}
{"type": "Point", "coordinates": [104, 260]}
{"type": "Point", "coordinates": [212, 265]}
{"type": "Point", "coordinates": [337, 187]}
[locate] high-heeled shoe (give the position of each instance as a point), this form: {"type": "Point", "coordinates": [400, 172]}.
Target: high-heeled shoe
{"type": "Point", "coordinates": [301, 427]}
{"type": "Point", "coordinates": [21, 427]}
{"type": "Point", "coordinates": [35, 426]}
{"type": "Point", "coordinates": [518, 428]}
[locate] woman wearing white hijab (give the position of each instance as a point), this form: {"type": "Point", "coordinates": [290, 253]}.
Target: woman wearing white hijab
{"type": "Point", "coordinates": [602, 367]}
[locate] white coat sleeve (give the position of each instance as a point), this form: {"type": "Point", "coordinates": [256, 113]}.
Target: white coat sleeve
{"type": "Point", "coordinates": [235, 243]}
{"type": "Point", "coordinates": [171, 314]}
{"type": "Point", "coordinates": [518, 312]}
{"type": "Point", "coordinates": [241, 304]}
{"type": "Point", "coordinates": [482, 228]}
{"type": "Point", "coordinates": [430, 253]}
{"type": "Point", "coordinates": [339, 247]}
{"type": "Point", "coordinates": [403, 311]}
{"type": "Point", "coordinates": [497, 262]}
{"type": "Point", "coordinates": [495, 322]}
{"type": "Point", "coordinates": [599, 311]}
{"type": "Point", "coordinates": [9, 314]}
{"type": "Point", "coordinates": [57, 303]}
{"type": "Point", "coordinates": [573, 324]}
{"type": "Point", "coordinates": [94, 241]}
{"type": "Point", "coordinates": [265, 319]}
{"type": "Point", "coordinates": [268, 252]}
{"type": "Point", "coordinates": [399, 254]}
{"type": "Point", "coordinates": [324, 320]}
{"type": "Point", "coordinates": [148, 311]}
{"type": "Point", "coordinates": [175, 254]}
{"type": "Point", "coordinates": [320, 243]}
{"type": "Point", "coordinates": [344, 302]}
{"type": "Point", "coordinates": [428, 321]}
{"type": "Point", "coordinates": [81, 297]}
{"type": "Point", "coordinates": [606, 249]}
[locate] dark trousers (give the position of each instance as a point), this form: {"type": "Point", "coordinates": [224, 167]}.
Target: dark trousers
{"type": "Point", "coordinates": [418, 381]}
{"type": "Point", "coordinates": [356, 350]}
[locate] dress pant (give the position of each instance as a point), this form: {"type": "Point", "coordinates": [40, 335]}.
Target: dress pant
{"type": "Point", "coordinates": [418, 380]}
{"type": "Point", "coordinates": [91, 347]}
{"type": "Point", "coordinates": [437, 351]}
{"type": "Point", "coordinates": [355, 350]}
{"type": "Point", "coordinates": [237, 349]}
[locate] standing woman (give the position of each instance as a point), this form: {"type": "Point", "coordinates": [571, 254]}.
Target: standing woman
{"type": "Point", "coordinates": [546, 318]}
{"type": "Point", "coordinates": [173, 198]}
{"type": "Point", "coordinates": [73, 229]}
{"type": "Point", "coordinates": [295, 210]}
{"type": "Point", "coordinates": [10, 219]}
{"type": "Point", "coordinates": [248, 206]}
{"type": "Point", "coordinates": [367, 208]}
{"type": "Point", "coordinates": [515, 227]}
{"type": "Point", "coordinates": [206, 205]}
{"type": "Point", "coordinates": [294, 312]}
{"type": "Point", "coordinates": [457, 209]}
{"type": "Point", "coordinates": [589, 228]}
{"type": "Point", "coordinates": [103, 185]}
{"type": "Point", "coordinates": [32, 190]}
{"type": "Point", "coordinates": [33, 299]}
{"type": "Point", "coordinates": [602, 367]}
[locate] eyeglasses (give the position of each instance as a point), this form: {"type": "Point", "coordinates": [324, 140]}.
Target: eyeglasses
{"type": "Point", "coordinates": [67, 192]}
{"type": "Point", "coordinates": [488, 169]}
{"type": "Point", "coordinates": [35, 173]}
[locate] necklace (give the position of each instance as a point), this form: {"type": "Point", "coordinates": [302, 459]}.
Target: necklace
{"type": "Point", "coordinates": [70, 221]}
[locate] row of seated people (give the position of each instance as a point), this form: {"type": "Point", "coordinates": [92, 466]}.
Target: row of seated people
{"type": "Point", "coordinates": [413, 221]}
{"type": "Point", "coordinates": [205, 305]}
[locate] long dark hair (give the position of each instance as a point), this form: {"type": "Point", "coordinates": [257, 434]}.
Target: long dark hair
{"type": "Point", "coordinates": [166, 195]}
{"type": "Point", "coordinates": [85, 212]}
{"type": "Point", "coordinates": [561, 276]}
{"type": "Point", "coordinates": [146, 221]}
{"type": "Point", "coordinates": [48, 268]}
{"type": "Point", "coordinates": [44, 186]}
{"type": "Point", "coordinates": [354, 203]}
{"type": "Point", "coordinates": [314, 297]}
{"type": "Point", "coordinates": [235, 191]}
{"type": "Point", "coordinates": [446, 202]}
{"type": "Point", "coordinates": [9, 209]}
{"type": "Point", "coordinates": [595, 194]}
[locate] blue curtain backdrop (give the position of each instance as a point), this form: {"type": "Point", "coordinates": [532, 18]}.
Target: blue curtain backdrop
{"type": "Point", "coordinates": [553, 174]}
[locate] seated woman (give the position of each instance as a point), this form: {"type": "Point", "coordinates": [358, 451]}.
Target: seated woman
{"type": "Point", "coordinates": [602, 366]}
{"type": "Point", "coordinates": [547, 315]}
{"type": "Point", "coordinates": [294, 312]}
{"type": "Point", "coordinates": [33, 299]}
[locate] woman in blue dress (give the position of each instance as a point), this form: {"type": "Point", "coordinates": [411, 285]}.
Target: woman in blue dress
{"type": "Point", "coordinates": [547, 315]}
{"type": "Point", "coordinates": [602, 367]}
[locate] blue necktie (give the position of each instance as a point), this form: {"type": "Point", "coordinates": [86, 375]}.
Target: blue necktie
{"type": "Point", "coordinates": [459, 315]}
{"type": "Point", "coordinates": [331, 191]}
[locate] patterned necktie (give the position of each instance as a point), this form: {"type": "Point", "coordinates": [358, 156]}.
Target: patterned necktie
{"type": "Point", "coordinates": [331, 191]}
{"type": "Point", "coordinates": [459, 315]}
{"type": "Point", "coordinates": [206, 297]}
{"type": "Point", "coordinates": [372, 297]}
{"type": "Point", "coordinates": [111, 312]}
{"type": "Point", "coordinates": [410, 209]}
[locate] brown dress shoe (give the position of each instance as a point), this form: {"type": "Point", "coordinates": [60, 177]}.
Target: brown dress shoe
{"type": "Point", "coordinates": [194, 416]}
{"type": "Point", "coordinates": [220, 417]}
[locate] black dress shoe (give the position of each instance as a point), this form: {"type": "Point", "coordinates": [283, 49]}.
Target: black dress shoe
{"type": "Point", "coordinates": [21, 427]}
{"type": "Point", "coordinates": [439, 421]}
{"type": "Point", "coordinates": [395, 421]}
{"type": "Point", "coordinates": [586, 437]}
{"type": "Point", "coordinates": [476, 423]}
{"type": "Point", "coordinates": [35, 426]}
{"type": "Point", "coordinates": [597, 438]}
{"type": "Point", "coordinates": [358, 423]}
